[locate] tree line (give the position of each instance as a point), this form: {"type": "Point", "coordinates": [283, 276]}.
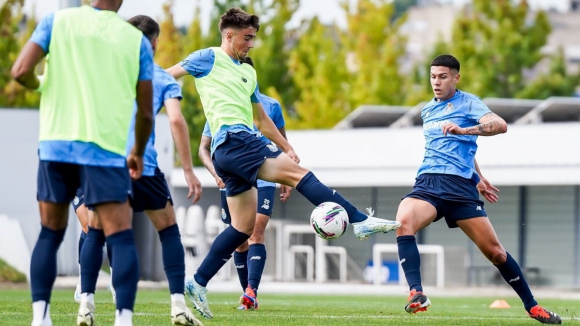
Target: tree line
{"type": "Point", "coordinates": [320, 72]}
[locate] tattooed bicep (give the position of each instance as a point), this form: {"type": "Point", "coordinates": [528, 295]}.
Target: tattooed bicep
{"type": "Point", "coordinates": [488, 116]}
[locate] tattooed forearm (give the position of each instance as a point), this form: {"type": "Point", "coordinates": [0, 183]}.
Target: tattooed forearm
{"type": "Point", "coordinates": [491, 124]}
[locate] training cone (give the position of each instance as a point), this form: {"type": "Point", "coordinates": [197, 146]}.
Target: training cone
{"type": "Point", "coordinates": [499, 304]}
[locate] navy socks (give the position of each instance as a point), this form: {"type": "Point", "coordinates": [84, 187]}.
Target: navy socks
{"type": "Point", "coordinates": [82, 238]}
{"type": "Point", "coordinates": [512, 274]}
{"type": "Point", "coordinates": [126, 265]}
{"type": "Point", "coordinates": [220, 252]}
{"type": "Point", "coordinates": [43, 263]}
{"type": "Point", "coordinates": [256, 264]}
{"type": "Point", "coordinates": [91, 259]}
{"type": "Point", "coordinates": [241, 262]}
{"type": "Point", "coordinates": [173, 258]}
{"type": "Point", "coordinates": [411, 261]}
{"type": "Point", "coordinates": [317, 193]}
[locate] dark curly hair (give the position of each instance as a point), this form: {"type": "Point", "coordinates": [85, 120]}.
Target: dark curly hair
{"type": "Point", "coordinates": [238, 19]}
{"type": "Point", "coordinates": [446, 60]}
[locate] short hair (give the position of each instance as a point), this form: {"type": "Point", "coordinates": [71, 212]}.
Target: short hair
{"type": "Point", "coordinates": [238, 19]}
{"type": "Point", "coordinates": [249, 61]}
{"type": "Point", "coordinates": [446, 60]}
{"type": "Point", "coordinates": [147, 25]}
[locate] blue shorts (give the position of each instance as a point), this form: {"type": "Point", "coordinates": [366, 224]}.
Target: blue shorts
{"type": "Point", "coordinates": [151, 193]}
{"type": "Point", "coordinates": [57, 182]}
{"type": "Point", "coordinates": [265, 203]}
{"type": "Point", "coordinates": [454, 197]}
{"type": "Point", "coordinates": [239, 158]}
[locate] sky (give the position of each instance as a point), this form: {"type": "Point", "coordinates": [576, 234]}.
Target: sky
{"type": "Point", "coordinates": [326, 10]}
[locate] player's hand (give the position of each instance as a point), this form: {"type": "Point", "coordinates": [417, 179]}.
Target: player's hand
{"type": "Point", "coordinates": [452, 128]}
{"type": "Point", "coordinates": [194, 186]}
{"type": "Point", "coordinates": [135, 164]}
{"type": "Point", "coordinates": [285, 192]}
{"type": "Point", "coordinates": [219, 182]}
{"type": "Point", "coordinates": [293, 155]}
{"type": "Point", "coordinates": [488, 191]}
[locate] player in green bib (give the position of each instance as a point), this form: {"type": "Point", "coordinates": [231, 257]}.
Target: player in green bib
{"type": "Point", "coordinates": [230, 97]}
{"type": "Point", "coordinates": [98, 65]}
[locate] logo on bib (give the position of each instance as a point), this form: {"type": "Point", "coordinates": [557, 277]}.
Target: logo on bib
{"type": "Point", "coordinates": [244, 79]}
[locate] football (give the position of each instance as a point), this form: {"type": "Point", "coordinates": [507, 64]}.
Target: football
{"type": "Point", "coordinates": [329, 220]}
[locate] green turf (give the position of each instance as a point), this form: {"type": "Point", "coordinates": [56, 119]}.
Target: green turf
{"type": "Point", "coordinates": [278, 309]}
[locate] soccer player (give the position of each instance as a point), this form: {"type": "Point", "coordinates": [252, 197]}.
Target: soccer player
{"type": "Point", "coordinates": [99, 64]}
{"type": "Point", "coordinates": [250, 256]}
{"type": "Point", "coordinates": [229, 93]}
{"type": "Point", "coordinates": [447, 186]}
{"type": "Point", "coordinates": [150, 192]}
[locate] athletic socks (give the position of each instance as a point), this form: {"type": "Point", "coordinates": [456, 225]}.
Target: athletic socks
{"type": "Point", "coordinates": [126, 273]}
{"type": "Point", "coordinates": [43, 263]}
{"type": "Point", "coordinates": [317, 193]}
{"type": "Point", "coordinates": [173, 258]}
{"type": "Point", "coordinates": [512, 274]}
{"type": "Point", "coordinates": [91, 259]}
{"type": "Point", "coordinates": [241, 261]}
{"type": "Point", "coordinates": [82, 238]}
{"type": "Point", "coordinates": [219, 253]}
{"type": "Point", "coordinates": [256, 264]}
{"type": "Point", "coordinates": [410, 261]}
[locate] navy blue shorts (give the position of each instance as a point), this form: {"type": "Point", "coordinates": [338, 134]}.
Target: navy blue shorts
{"type": "Point", "coordinates": [58, 182]}
{"type": "Point", "coordinates": [454, 197]}
{"type": "Point", "coordinates": [265, 203]}
{"type": "Point", "coordinates": [151, 193]}
{"type": "Point", "coordinates": [239, 158]}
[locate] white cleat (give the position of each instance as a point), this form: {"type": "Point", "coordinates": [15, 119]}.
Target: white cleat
{"type": "Point", "coordinates": [77, 295]}
{"type": "Point", "coordinates": [113, 293]}
{"type": "Point", "coordinates": [180, 315]}
{"type": "Point", "coordinates": [86, 315]}
{"type": "Point", "coordinates": [45, 322]}
{"type": "Point", "coordinates": [373, 225]}
{"type": "Point", "coordinates": [197, 295]}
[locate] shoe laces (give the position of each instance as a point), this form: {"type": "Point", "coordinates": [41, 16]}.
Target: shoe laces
{"type": "Point", "coordinates": [371, 211]}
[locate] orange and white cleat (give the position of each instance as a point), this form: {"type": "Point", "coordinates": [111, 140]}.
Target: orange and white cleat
{"type": "Point", "coordinates": [417, 302]}
{"type": "Point", "coordinates": [544, 316]}
{"type": "Point", "coordinates": [249, 300]}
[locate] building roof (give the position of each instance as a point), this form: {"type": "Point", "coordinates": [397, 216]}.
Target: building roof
{"type": "Point", "coordinates": [533, 154]}
{"type": "Point", "coordinates": [372, 116]}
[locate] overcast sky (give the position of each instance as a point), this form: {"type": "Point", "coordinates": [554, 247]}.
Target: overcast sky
{"type": "Point", "coordinates": [326, 10]}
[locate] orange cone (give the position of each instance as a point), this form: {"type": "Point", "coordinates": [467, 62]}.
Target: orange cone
{"type": "Point", "coordinates": [499, 304]}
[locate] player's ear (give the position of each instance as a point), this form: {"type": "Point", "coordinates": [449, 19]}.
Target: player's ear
{"type": "Point", "coordinates": [457, 77]}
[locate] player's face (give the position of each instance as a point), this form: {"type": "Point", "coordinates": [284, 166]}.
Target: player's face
{"type": "Point", "coordinates": [443, 82]}
{"type": "Point", "coordinates": [241, 41]}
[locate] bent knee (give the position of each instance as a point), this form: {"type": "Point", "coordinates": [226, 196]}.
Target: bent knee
{"type": "Point", "coordinates": [497, 255]}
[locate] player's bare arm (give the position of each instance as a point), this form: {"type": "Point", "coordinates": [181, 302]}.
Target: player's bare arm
{"type": "Point", "coordinates": [143, 127]}
{"type": "Point", "coordinates": [23, 69]}
{"type": "Point", "coordinates": [180, 133]}
{"type": "Point", "coordinates": [267, 127]}
{"type": "Point", "coordinates": [176, 71]}
{"type": "Point", "coordinates": [489, 125]}
{"type": "Point", "coordinates": [205, 157]}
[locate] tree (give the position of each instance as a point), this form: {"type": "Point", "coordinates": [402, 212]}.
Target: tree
{"type": "Point", "coordinates": [495, 41]}
{"type": "Point", "coordinates": [318, 69]}
{"type": "Point", "coordinates": [169, 50]}
{"type": "Point", "coordinates": [377, 47]}
{"type": "Point", "coordinates": [556, 82]}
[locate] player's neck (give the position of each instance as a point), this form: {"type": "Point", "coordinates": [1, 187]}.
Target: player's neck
{"type": "Point", "coordinates": [228, 51]}
{"type": "Point", "coordinates": [104, 5]}
{"type": "Point", "coordinates": [450, 96]}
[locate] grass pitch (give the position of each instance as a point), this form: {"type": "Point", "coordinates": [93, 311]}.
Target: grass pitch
{"type": "Point", "coordinates": [153, 307]}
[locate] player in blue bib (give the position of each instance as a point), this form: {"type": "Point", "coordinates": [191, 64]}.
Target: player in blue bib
{"type": "Point", "coordinates": [250, 257]}
{"type": "Point", "coordinates": [151, 193]}
{"type": "Point", "coordinates": [448, 182]}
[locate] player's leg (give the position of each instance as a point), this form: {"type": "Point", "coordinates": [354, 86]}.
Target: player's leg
{"type": "Point", "coordinates": [257, 251]}
{"type": "Point", "coordinates": [107, 190]}
{"type": "Point", "coordinates": [414, 214]}
{"type": "Point", "coordinates": [481, 232]}
{"type": "Point", "coordinates": [83, 216]}
{"type": "Point", "coordinates": [282, 169]}
{"type": "Point", "coordinates": [241, 252]}
{"type": "Point", "coordinates": [56, 184]}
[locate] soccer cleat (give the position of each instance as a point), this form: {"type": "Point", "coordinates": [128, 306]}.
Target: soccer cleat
{"type": "Point", "coordinates": [544, 316]}
{"type": "Point", "coordinates": [45, 322]}
{"type": "Point", "coordinates": [242, 307]}
{"type": "Point", "coordinates": [197, 295]}
{"type": "Point", "coordinates": [417, 302]}
{"type": "Point", "coordinates": [77, 295]}
{"type": "Point", "coordinates": [180, 315]}
{"type": "Point", "coordinates": [86, 315]}
{"type": "Point", "coordinates": [373, 225]}
{"type": "Point", "coordinates": [249, 300]}
{"type": "Point", "coordinates": [113, 293]}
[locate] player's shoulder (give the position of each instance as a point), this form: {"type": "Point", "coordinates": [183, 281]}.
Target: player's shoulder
{"type": "Point", "coordinates": [162, 76]}
{"type": "Point", "coordinates": [468, 97]}
{"type": "Point", "coordinates": [269, 100]}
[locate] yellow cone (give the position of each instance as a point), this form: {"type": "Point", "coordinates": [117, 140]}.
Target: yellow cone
{"type": "Point", "coordinates": [499, 304]}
